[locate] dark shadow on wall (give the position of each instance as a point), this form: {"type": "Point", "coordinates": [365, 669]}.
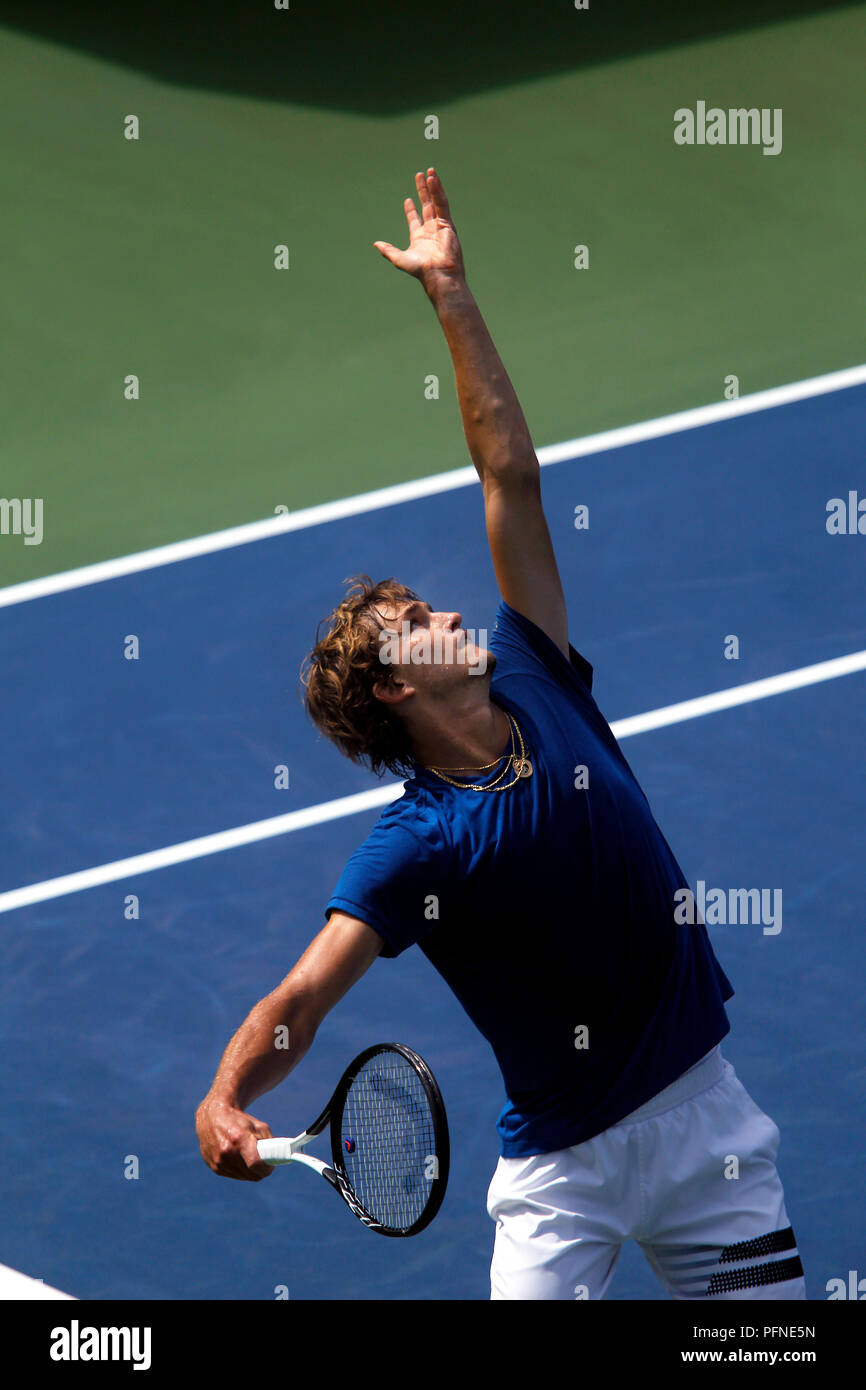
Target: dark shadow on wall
{"type": "Point", "coordinates": [385, 58]}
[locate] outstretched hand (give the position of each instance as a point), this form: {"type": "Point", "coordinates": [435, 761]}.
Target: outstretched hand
{"type": "Point", "coordinates": [434, 251]}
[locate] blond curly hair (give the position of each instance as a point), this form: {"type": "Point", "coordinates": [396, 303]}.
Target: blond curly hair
{"type": "Point", "coordinates": [339, 675]}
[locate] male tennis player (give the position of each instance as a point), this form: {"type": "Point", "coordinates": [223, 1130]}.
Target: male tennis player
{"type": "Point", "coordinates": [524, 860]}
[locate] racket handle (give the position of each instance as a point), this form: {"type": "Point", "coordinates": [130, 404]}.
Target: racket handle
{"type": "Point", "coordinates": [276, 1150]}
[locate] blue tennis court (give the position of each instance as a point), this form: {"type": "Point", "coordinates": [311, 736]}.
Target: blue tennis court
{"type": "Point", "coordinates": [119, 998]}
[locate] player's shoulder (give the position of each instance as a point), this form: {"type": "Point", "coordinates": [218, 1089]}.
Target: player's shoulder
{"type": "Point", "coordinates": [522, 647]}
{"type": "Point", "coordinates": [416, 815]}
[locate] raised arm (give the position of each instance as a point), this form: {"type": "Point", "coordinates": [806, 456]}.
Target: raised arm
{"type": "Point", "coordinates": [496, 431]}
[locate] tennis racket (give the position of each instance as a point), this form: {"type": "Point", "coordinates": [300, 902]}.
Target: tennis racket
{"type": "Point", "coordinates": [389, 1141]}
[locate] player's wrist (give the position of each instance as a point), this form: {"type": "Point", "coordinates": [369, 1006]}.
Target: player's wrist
{"type": "Point", "coordinates": [446, 287]}
{"type": "Point", "coordinates": [224, 1098]}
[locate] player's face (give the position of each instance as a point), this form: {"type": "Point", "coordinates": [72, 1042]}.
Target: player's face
{"type": "Point", "coordinates": [428, 649]}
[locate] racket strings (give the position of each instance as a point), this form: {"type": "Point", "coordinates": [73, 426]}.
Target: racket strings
{"type": "Point", "coordinates": [389, 1140]}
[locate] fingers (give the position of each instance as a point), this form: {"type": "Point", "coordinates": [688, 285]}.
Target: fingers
{"type": "Point", "coordinates": [231, 1165]}
{"type": "Point", "coordinates": [428, 212]}
{"type": "Point", "coordinates": [228, 1139]}
{"type": "Point", "coordinates": [394, 253]}
{"type": "Point", "coordinates": [227, 1162]}
{"type": "Point", "coordinates": [433, 201]}
{"type": "Point", "coordinates": [434, 209]}
{"type": "Point", "coordinates": [440, 202]}
{"type": "Point", "coordinates": [256, 1167]}
{"type": "Point", "coordinates": [388, 251]}
{"type": "Point", "coordinates": [411, 215]}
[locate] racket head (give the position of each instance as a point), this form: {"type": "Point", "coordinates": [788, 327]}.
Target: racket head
{"type": "Point", "coordinates": [389, 1140]}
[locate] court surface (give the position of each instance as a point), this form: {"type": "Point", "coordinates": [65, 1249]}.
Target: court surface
{"type": "Point", "coordinates": [113, 1025]}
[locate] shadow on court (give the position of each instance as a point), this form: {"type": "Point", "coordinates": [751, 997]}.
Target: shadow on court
{"type": "Point", "coordinates": [383, 62]}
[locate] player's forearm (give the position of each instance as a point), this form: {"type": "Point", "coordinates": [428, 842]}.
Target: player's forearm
{"type": "Point", "coordinates": [269, 1044]}
{"type": "Point", "coordinates": [496, 431]}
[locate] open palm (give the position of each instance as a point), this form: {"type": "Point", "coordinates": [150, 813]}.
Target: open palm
{"type": "Point", "coordinates": [433, 249]}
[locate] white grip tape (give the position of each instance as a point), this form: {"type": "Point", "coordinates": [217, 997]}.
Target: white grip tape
{"type": "Point", "coordinates": [275, 1150]}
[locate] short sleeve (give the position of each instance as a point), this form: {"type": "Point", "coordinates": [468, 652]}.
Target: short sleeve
{"type": "Point", "coordinates": [520, 645]}
{"type": "Point", "coordinates": [394, 881]}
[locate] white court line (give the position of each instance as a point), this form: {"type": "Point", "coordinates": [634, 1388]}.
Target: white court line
{"type": "Point", "coordinates": [425, 487]}
{"type": "Point", "coordinates": [18, 1288]}
{"type": "Point", "coordinates": [380, 796]}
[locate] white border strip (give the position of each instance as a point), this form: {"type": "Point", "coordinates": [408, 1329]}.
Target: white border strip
{"type": "Point", "coordinates": [424, 487]}
{"type": "Point", "coordinates": [380, 796]}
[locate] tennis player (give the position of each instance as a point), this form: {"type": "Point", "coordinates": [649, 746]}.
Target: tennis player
{"type": "Point", "coordinates": [524, 861]}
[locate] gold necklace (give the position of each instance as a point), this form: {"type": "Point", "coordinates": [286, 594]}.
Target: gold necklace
{"type": "Point", "coordinates": [522, 767]}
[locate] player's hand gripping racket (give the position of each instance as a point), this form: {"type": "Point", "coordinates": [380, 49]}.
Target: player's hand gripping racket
{"type": "Point", "coordinates": [389, 1141]}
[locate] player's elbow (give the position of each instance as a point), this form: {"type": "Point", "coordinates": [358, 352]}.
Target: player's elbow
{"type": "Point", "coordinates": [334, 961]}
{"type": "Point", "coordinates": [513, 472]}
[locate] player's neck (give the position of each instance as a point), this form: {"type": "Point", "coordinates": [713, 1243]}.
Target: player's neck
{"type": "Point", "coordinates": [471, 736]}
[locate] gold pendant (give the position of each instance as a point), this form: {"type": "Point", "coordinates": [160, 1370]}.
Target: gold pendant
{"type": "Point", "coordinates": [523, 767]}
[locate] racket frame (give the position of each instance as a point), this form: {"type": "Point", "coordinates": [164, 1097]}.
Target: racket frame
{"type": "Point", "coordinates": [440, 1138]}
{"type": "Point", "coordinates": [279, 1151]}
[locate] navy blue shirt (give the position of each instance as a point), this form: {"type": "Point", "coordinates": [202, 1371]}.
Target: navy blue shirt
{"type": "Point", "coordinates": [549, 910]}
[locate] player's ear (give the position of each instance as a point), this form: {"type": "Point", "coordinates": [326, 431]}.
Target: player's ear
{"type": "Point", "coordinates": [393, 691]}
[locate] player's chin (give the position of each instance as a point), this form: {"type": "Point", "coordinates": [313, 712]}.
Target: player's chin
{"type": "Point", "coordinates": [478, 661]}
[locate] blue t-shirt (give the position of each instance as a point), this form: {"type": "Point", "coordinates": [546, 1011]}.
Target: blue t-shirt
{"type": "Point", "coordinates": [549, 910]}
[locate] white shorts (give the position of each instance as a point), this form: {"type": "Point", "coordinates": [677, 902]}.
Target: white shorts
{"type": "Point", "coordinates": [691, 1176]}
